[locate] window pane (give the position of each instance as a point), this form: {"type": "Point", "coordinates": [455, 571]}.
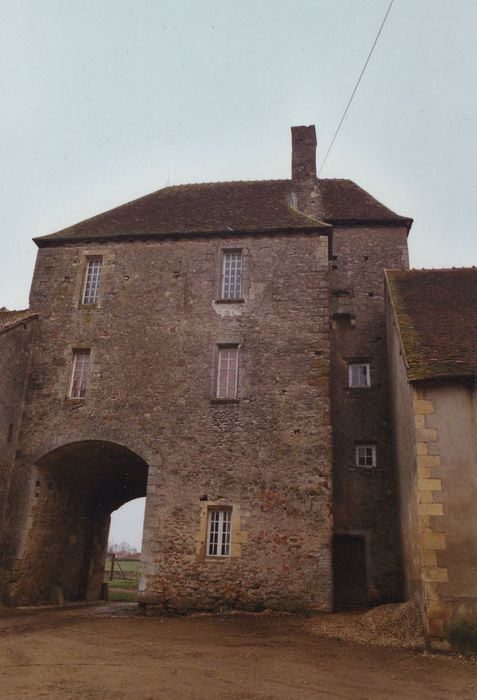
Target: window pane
{"type": "Point", "coordinates": [79, 379]}
{"type": "Point", "coordinates": [232, 276]}
{"type": "Point", "coordinates": [218, 538]}
{"type": "Point", "coordinates": [227, 373]}
{"type": "Point", "coordinates": [92, 281]}
{"type": "Point", "coordinates": [359, 375]}
{"type": "Point", "coordinates": [365, 455]}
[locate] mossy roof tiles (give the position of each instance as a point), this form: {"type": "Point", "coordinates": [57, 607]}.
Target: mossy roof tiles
{"type": "Point", "coordinates": [436, 312]}
{"type": "Point", "coordinates": [224, 207]}
{"type": "Point", "coordinates": [9, 319]}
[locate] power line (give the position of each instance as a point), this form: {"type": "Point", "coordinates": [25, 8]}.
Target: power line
{"type": "Point", "coordinates": [356, 86]}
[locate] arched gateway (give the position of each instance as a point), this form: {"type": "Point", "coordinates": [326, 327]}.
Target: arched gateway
{"type": "Point", "coordinates": [76, 487]}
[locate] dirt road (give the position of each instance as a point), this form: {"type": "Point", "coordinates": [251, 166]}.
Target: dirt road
{"type": "Point", "coordinates": [109, 651]}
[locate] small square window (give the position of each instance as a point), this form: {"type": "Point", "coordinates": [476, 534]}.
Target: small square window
{"type": "Point", "coordinates": [359, 375]}
{"type": "Point", "coordinates": [80, 373]}
{"type": "Point", "coordinates": [365, 455]}
{"type": "Point", "coordinates": [219, 524]}
{"type": "Point", "coordinates": [92, 281]}
{"type": "Point", "coordinates": [227, 372]}
{"type": "Point", "coordinates": [231, 287]}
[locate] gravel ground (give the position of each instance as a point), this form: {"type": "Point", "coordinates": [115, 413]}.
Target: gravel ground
{"type": "Point", "coordinates": [396, 625]}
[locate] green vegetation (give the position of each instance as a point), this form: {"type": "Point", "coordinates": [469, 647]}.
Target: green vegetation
{"type": "Point", "coordinates": [129, 585]}
{"type": "Point", "coordinates": [462, 634]}
{"type": "Point", "coordinates": [120, 588]}
{"type": "Point", "coordinates": [124, 565]}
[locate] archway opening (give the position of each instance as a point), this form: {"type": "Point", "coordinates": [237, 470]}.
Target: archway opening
{"type": "Point", "coordinates": [124, 551]}
{"type": "Point", "coordinates": [76, 488]}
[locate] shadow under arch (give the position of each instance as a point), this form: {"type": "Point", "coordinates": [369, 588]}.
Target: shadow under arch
{"type": "Point", "coordinates": [76, 488]}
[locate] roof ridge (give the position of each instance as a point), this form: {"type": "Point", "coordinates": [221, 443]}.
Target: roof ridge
{"type": "Point", "coordinates": [438, 269]}
{"type": "Point", "coordinates": [222, 182]}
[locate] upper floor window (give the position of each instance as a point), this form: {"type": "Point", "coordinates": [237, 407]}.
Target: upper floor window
{"type": "Point", "coordinates": [218, 533]}
{"type": "Point", "coordinates": [232, 275]}
{"type": "Point", "coordinates": [365, 455]}
{"type": "Point", "coordinates": [359, 375]}
{"type": "Point", "coordinates": [80, 373]}
{"type": "Point", "coordinates": [92, 281]}
{"type": "Point", "coordinates": [227, 372]}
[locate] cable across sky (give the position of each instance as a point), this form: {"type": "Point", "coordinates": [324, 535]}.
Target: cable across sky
{"type": "Point", "coordinates": [356, 86]}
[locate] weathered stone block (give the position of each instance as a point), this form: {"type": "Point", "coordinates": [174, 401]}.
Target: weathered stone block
{"type": "Point", "coordinates": [433, 540]}
{"type": "Point", "coordinates": [430, 509]}
{"type": "Point", "coordinates": [428, 460]}
{"type": "Point", "coordinates": [429, 485]}
{"type": "Point", "coordinates": [422, 407]}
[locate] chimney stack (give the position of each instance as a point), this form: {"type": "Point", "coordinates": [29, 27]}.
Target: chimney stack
{"type": "Point", "coordinates": [305, 190]}
{"type": "Point", "coordinates": [303, 153]}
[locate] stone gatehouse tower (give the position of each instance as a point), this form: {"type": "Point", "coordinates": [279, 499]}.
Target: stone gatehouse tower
{"type": "Point", "coordinates": [221, 349]}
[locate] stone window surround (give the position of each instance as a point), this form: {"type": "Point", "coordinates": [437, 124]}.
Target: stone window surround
{"type": "Point", "coordinates": [238, 537]}
{"type": "Point", "coordinates": [79, 267]}
{"type": "Point", "coordinates": [222, 250]}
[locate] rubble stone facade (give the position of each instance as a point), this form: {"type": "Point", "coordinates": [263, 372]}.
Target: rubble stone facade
{"type": "Point", "coordinates": [275, 458]}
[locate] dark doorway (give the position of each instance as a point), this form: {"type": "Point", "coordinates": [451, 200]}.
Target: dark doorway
{"type": "Point", "coordinates": [349, 571]}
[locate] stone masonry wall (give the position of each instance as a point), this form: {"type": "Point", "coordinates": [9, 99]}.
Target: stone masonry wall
{"type": "Point", "coordinates": [446, 486]}
{"type": "Point", "coordinates": [365, 499]}
{"type": "Point", "coordinates": [405, 458]}
{"type": "Point", "coordinates": [15, 346]}
{"type": "Point", "coordinates": [153, 338]}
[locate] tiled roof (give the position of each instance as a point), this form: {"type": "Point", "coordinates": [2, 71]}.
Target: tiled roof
{"type": "Point", "coordinates": [436, 312]}
{"type": "Point", "coordinates": [224, 207]}
{"type": "Point", "coordinates": [9, 319]}
{"type": "Point", "coordinates": [344, 201]}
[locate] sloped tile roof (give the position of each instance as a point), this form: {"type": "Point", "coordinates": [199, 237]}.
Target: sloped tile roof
{"type": "Point", "coordinates": [224, 207]}
{"type": "Point", "coordinates": [345, 201]}
{"type": "Point", "coordinates": [436, 312]}
{"type": "Point", "coordinates": [9, 319]}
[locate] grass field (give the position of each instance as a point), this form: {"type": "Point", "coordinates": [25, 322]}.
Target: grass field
{"type": "Point", "coordinates": [126, 565]}
{"type": "Point", "coordinates": [122, 589]}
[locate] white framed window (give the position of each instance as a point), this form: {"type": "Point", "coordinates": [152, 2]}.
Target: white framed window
{"type": "Point", "coordinates": [92, 281]}
{"type": "Point", "coordinates": [219, 523]}
{"type": "Point", "coordinates": [359, 375]}
{"type": "Point", "coordinates": [80, 373]}
{"type": "Point", "coordinates": [365, 455]}
{"type": "Point", "coordinates": [227, 372]}
{"type": "Point", "coordinates": [232, 275]}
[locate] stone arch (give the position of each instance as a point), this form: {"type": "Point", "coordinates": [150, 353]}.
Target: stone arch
{"type": "Point", "coordinates": [74, 489]}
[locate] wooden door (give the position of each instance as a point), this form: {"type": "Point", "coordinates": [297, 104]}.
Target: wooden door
{"type": "Point", "coordinates": [349, 571]}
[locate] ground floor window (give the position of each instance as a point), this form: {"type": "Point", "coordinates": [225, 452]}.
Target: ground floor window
{"type": "Point", "coordinates": [218, 533]}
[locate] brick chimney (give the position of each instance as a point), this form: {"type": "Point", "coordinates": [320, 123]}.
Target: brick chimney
{"type": "Point", "coordinates": [305, 192]}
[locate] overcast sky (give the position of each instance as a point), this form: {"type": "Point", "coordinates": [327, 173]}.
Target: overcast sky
{"type": "Point", "coordinates": [106, 100]}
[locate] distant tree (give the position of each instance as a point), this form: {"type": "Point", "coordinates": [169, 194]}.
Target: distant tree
{"type": "Point", "coordinates": [121, 548]}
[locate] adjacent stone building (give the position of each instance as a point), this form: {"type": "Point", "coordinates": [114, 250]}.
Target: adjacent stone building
{"type": "Point", "coordinates": [221, 349]}
{"type": "Point", "coordinates": [433, 360]}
